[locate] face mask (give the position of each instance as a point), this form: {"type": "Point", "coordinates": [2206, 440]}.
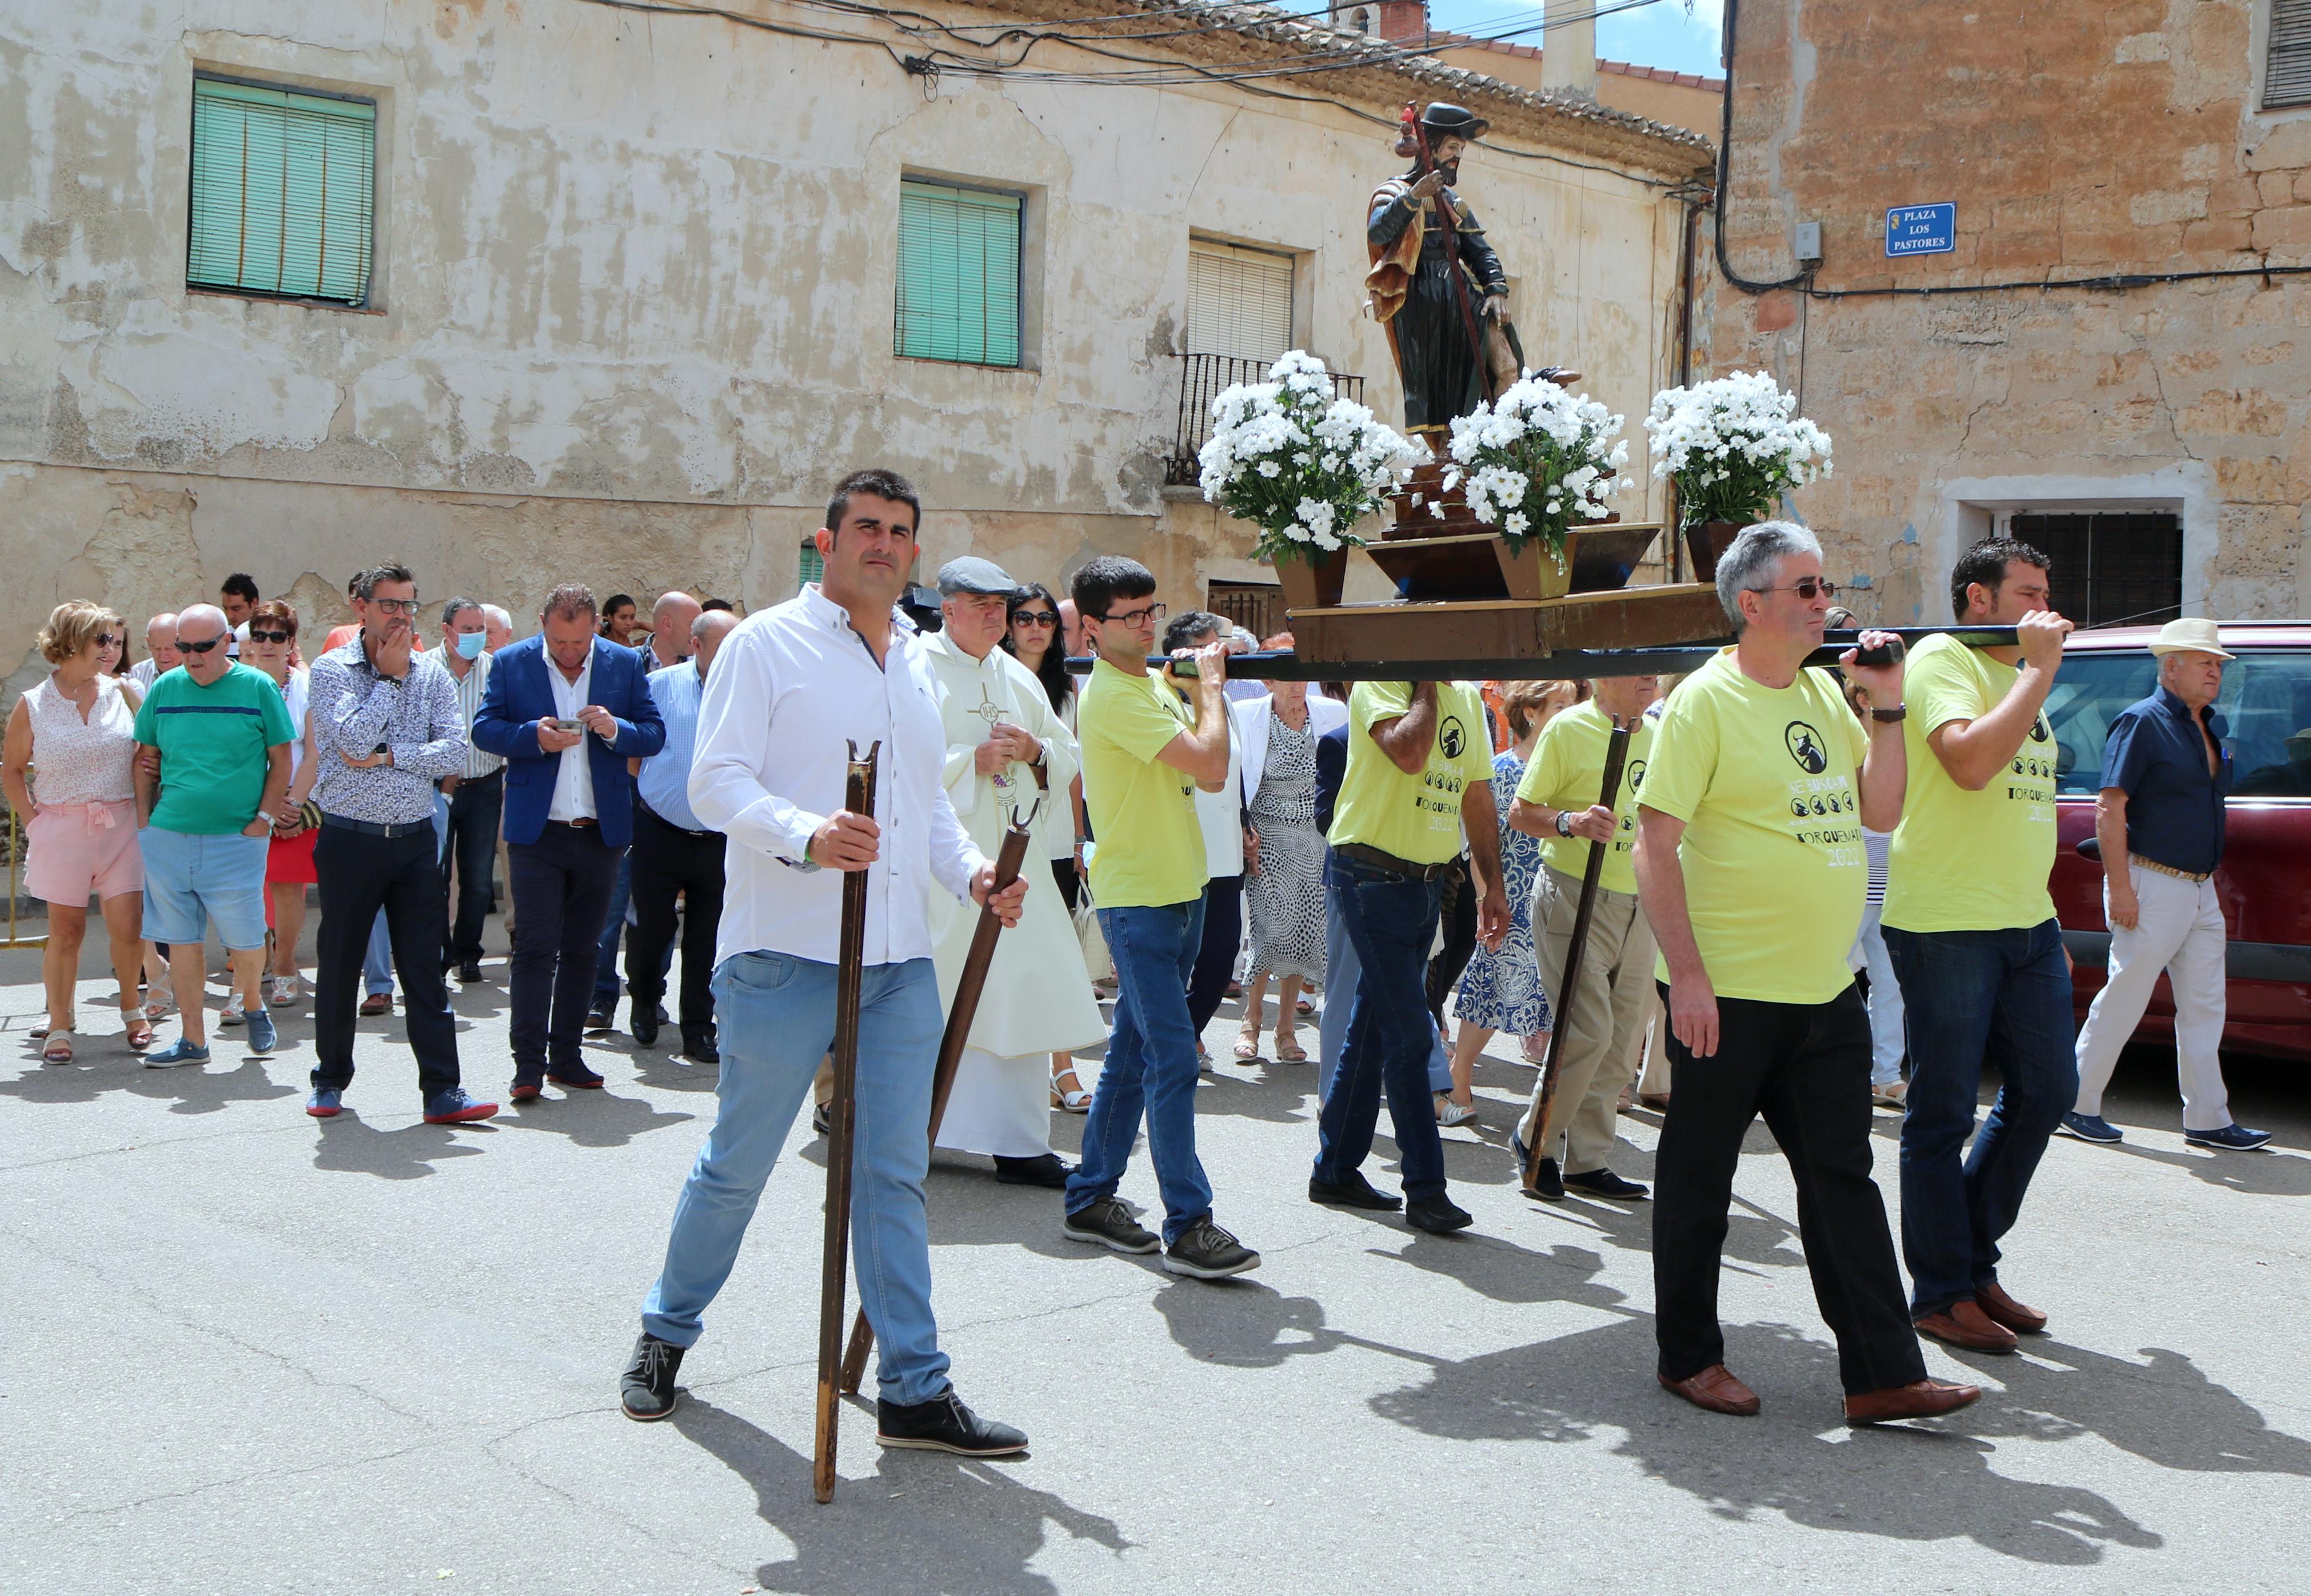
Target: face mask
{"type": "Point", "coordinates": [469, 644]}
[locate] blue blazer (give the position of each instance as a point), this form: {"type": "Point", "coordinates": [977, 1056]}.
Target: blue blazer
{"type": "Point", "coordinates": [519, 696]}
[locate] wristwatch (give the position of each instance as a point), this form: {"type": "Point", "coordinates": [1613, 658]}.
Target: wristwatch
{"type": "Point", "coordinates": [1565, 823]}
{"type": "Point", "coordinates": [262, 816]}
{"type": "Point", "coordinates": [1887, 716]}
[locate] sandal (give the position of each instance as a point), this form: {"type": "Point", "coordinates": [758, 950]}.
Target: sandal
{"type": "Point", "coordinates": [1247, 1050]}
{"type": "Point", "coordinates": [58, 1049]}
{"type": "Point", "coordinates": [1450, 1113]}
{"type": "Point", "coordinates": [161, 1007]}
{"type": "Point", "coordinates": [1074, 1099]}
{"type": "Point", "coordinates": [1288, 1050]}
{"type": "Point", "coordinates": [140, 1029]}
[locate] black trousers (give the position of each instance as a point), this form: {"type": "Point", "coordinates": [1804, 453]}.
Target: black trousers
{"type": "Point", "coordinates": [358, 875]}
{"type": "Point", "coordinates": [560, 893]}
{"type": "Point", "coordinates": [1806, 1067]}
{"type": "Point", "coordinates": [1457, 910]}
{"type": "Point", "coordinates": [667, 860]}
{"type": "Point", "coordinates": [1216, 958]}
{"type": "Point", "coordinates": [473, 849]}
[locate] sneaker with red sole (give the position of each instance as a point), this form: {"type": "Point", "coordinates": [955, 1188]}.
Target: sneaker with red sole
{"type": "Point", "coordinates": [585, 1081]}
{"type": "Point", "coordinates": [453, 1107]}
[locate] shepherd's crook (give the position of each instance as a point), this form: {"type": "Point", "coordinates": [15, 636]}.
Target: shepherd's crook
{"type": "Point", "coordinates": [1617, 753]}
{"type": "Point", "coordinates": [859, 798]}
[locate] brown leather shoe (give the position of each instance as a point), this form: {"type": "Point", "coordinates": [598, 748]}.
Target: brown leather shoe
{"type": "Point", "coordinates": [1921, 1398]}
{"type": "Point", "coordinates": [1715, 1388]}
{"type": "Point", "coordinates": [1964, 1324]}
{"type": "Point", "coordinates": [1993, 1300]}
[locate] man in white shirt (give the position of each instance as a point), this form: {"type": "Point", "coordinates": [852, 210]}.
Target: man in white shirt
{"type": "Point", "coordinates": [160, 649]}
{"type": "Point", "coordinates": [477, 794]}
{"type": "Point", "coordinates": [791, 687]}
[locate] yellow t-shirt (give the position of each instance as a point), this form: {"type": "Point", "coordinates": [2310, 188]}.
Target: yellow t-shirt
{"type": "Point", "coordinates": [1969, 861]}
{"type": "Point", "coordinates": [1416, 817]}
{"type": "Point", "coordinates": [1765, 779]}
{"type": "Point", "coordinates": [1149, 850]}
{"type": "Point", "coordinates": [1568, 772]}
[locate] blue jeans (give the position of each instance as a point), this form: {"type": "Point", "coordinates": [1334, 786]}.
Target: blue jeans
{"type": "Point", "coordinates": [1391, 920]}
{"type": "Point", "coordinates": [1341, 968]}
{"type": "Point", "coordinates": [1150, 1065]}
{"type": "Point", "coordinates": [614, 923]}
{"type": "Point", "coordinates": [778, 1022]}
{"type": "Point", "coordinates": [1969, 995]}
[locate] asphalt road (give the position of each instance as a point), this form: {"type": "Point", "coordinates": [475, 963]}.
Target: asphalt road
{"type": "Point", "coordinates": [252, 1352]}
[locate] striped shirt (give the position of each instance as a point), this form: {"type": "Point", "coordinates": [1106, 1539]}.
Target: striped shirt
{"type": "Point", "coordinates": [479, 763]}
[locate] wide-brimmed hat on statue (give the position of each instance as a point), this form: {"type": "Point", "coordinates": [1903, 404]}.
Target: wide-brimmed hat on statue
{"type": "Point", "coordinates": [2195, 636]}
{"type": "Point", "coordinates": [1453, 121]}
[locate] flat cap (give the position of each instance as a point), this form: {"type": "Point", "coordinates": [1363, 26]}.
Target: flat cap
{"type": "Point", "coordinates": [972, 574]}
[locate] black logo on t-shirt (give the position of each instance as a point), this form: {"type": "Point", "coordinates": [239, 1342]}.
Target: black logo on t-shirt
{"type": "Point", "coordinates": [1806, 747]}
{"type": "Point", "coordinates": [2039, 732]}
{"type": "Point", "coordinates": [1452, 736]}
{"type": "Point", "coordinates": [1636, 774]}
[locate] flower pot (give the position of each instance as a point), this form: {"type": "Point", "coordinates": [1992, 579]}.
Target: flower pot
{"type": "Point", "coordinates": [1311, 579]}
{"type": "Point", "coordinates": [1705, 540]}
{"type": "Point", "coordinates": [1532, 571]}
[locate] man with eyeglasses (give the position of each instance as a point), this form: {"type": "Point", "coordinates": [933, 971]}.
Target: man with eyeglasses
{"type": "Point", "coordinates": [1751, 869]}
{"type": "Point", "coordinates": [1142, 765]}
{"type": "Point", "coordinates": [385, 727]}
{"type": "Point", "coordinates": [206, 806]}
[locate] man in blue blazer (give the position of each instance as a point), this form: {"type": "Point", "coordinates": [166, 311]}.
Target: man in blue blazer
{"type": "Point", "coordinates": [566, 710]}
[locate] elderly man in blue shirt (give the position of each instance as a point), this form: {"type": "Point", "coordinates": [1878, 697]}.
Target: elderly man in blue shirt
{"type": "Point", "coordinates": [2160, 823]}
{"type": "Point", "coordinates": [675, 853]}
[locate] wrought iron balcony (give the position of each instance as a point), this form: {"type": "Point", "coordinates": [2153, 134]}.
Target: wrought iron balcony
{"type": "Point", "coordinates": [1202, 377]}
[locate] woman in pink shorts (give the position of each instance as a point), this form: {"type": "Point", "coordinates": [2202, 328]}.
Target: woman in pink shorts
{"type": "Point", "coordinates": [67, 761]}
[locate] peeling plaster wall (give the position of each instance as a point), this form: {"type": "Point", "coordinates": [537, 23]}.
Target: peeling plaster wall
{"type": "Point", "coordinates": [633, 304]}
{"type": "Point", "coordinates": [2078, 142]}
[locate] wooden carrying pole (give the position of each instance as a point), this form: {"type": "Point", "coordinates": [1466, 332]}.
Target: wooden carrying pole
{"type": "Point", "coordinates": [1616, 753]}
{"type": "Point", "coordinates": [952, 1041]}
{"type": "Point", "coordinates": [859, 798]}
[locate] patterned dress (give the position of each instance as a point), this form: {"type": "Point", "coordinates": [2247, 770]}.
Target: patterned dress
{"type": "Point", "coordinates": [1501, 990]}
{"type": "Point", "coordinates": [1287, 893]}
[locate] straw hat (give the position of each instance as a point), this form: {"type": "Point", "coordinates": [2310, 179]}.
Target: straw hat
{"type": "Point", "coordinates": [2190, 636]}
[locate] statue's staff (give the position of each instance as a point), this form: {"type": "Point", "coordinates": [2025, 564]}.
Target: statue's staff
{"type": "Point", "coordinates": [1451, 220]}
{"type": "Point", "coordinates": [833, 1284]}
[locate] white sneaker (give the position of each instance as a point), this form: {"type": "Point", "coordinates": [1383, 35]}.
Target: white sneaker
{"type": "Point", "coordinates": [280, 991]}
{"type": "Point", "coordinates": [233, 1014]}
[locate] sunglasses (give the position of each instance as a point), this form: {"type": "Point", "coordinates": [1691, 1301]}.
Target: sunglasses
{"type": "Point", "coordinates": [1138, 617]}
{"type": "Point", "coordinates": [270, 637]}
{"type": "Point", "coordinates": [1807, 587]}
{"type": "Point", "coordinates": [1034, 617]}
{"type": "Point", "coordinates": [186, 645]}
{"type": "Point", "coordinates": [105, 640]}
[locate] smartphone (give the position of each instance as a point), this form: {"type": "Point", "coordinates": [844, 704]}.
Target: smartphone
{"type": "Point", "coordinates": [560, 725]}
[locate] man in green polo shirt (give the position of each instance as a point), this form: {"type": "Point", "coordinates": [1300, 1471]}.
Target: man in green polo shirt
{"type": "Point", "coordinates": [1142, 762]}
{"type": "Point", "coordinates": [1419, 771]}
{"type": "Point", "coordinates": [1975, 946]}
{"type": "Point", "coordinates": [1750, 868]}
{"type": "Point", "coordinates": [1558, 801]}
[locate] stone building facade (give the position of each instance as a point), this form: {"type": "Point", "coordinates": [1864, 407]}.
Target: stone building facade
{"type": "Point", "coordinates": [631, 306]}
{"type": "Point", "coordinates": [2153, 423]}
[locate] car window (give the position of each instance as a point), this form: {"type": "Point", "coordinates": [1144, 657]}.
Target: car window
{"type": "Point", "coordinates": [2265, 704]}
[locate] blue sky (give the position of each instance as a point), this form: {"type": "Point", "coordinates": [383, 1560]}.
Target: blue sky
{"type": "Point", "coordinates": [1663, 34]}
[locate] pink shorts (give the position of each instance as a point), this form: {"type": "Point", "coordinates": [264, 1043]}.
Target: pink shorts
{"type": "Point", "coordinates": [79, 850]}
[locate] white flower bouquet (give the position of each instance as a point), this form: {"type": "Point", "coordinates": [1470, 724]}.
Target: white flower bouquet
{"type": "Point", "coordinates": [1733, 446]}
{"type": "Point", "coordinates": [1302, 466]}
{"type": "Point", "coordinates": [1537, 462]}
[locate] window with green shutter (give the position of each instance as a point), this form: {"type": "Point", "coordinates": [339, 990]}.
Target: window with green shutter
{"type": "Point", "coordinates": [813, 565]}
{"type": "Point", "coordinates": [958, 296]}
{"type": "Point", "coordinates": [284, 189]}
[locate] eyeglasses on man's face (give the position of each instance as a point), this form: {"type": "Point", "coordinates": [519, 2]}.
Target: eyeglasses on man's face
{"type": "Point", "coordinates": [1137, 617]}
{"type": "Point", "coordinates": [1034, 617]}
{"type": "Point", "coordinates": [1807, 588]}
{"type": "Point", "coordinates": [187, 646]}
{"type": "Point", "coordinates": [395, 606]}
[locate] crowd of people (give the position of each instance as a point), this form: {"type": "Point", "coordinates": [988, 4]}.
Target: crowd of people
{"type": "Point", "coordinates": [1405, 861]}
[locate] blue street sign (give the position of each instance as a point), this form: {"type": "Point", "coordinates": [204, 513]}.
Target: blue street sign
{"type": "Point", "coordinates": [1921, 229]}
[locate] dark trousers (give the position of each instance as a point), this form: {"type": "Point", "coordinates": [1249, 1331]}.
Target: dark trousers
{"type": "Point", "coordinates": [561, 891]}
{"type": "Point", "coordinates": [665, 860]}
{"type": "Point", "coordinates": [1967, 996]}
{"type": "Point", "coordinates": [1389, 921]}
{"type": "Point", "coordinates": [1806, 1067]}
{"type": "Point", "coordinates": [361, 874]}
{"type": "Point", "coordinates": [1215, 954]}
{"type": "Point", "coordinates": [1457, 907]}
{"type": "Point", "coordinates": [472, 847]}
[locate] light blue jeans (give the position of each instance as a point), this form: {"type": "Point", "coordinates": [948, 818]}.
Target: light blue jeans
{"type": "Point", "coordinates": [777, 1015]}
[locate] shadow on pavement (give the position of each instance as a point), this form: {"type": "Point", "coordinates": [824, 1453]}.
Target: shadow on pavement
{"type": "Point", "coordinates": [597, 1118]}
{"type": "Point", "coordinates": [196, 1090]}
{"type": "Point", "coordinates": [2263, 1173]}
{"type": "Point", "coordinates": [347, 1144]}
{"type": "Point", "coordinates": [924, 1523]}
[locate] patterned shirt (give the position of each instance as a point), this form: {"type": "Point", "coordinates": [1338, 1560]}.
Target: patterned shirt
{"type": "Point", "coordinates": [479, 761]}
{"type": "Point", "coordinates": [352, 710]}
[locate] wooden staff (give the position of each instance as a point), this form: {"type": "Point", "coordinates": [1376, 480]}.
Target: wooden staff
{"type": "Point", "coordinates": [952, 1041]}
{"type": "Point", "coordinates": [859, 798]}
{"type": "Point", "coordinates": [1616, 753]}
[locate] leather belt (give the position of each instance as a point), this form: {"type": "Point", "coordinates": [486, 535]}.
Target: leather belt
{"type": "Point", "coordinates": [2152, 864]}
{"type": "Point", "coordinates": [669, 825]}
{"type": "Point", "coordinates": [1364, 854]}
{"type": "Point", "coordinates": [372, 828]}
{"type": "Point", "coordinates": [584, 823]}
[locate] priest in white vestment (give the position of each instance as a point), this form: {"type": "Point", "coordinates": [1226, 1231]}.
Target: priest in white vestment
{"type": "Point", "coordinates": [1005, 749]}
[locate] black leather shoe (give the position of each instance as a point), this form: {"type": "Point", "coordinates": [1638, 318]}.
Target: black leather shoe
{"type": "Point", "coordinates": [469, 972]}
{"type": "Point", "coordinates": [822, 1121]}
{"type": "Point", "coordinates": [1604, 1182]}
{"type": "Point", "coordinates": [1546, 1184]}
{"type": "Point", "coordinates": [645, 1023]}
{"type": "Point", "coordinates": [1438, 1214]}
{"type": "Point", "coordinates": [701, 1049]}
{"type": "Point", "coordinates": [598, 1019]}
{"type": "Point", "coordinates": [647, 1391]}
{"type": "Point", "coordinates": [1046, 1170]}
{"type": "Point", "coordinates": [943, 1423]}
{"type": "Point", "coordinates": [1354, 1192]}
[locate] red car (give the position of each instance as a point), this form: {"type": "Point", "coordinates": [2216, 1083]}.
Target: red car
{"type": "Point", "coordinates": [2265, 879]}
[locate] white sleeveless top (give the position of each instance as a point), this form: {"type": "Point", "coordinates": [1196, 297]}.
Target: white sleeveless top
{"type": "Point", "coordinates": [82, 762]}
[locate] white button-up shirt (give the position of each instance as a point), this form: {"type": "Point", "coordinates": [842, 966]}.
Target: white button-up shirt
{"type": "Point", "coordinates": [573, 777]}
{"type": "Point", "coordinates": [790, 687]}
